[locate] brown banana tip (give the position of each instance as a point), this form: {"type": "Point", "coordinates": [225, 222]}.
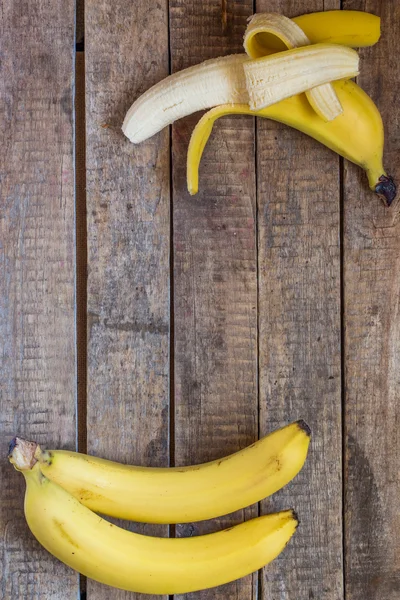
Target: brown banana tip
{"type": "Point", "coordinates": [386, 189]}
{"type": "Point", "coordinates": [21, 453]}
{"type": "Point", "coordinates": [295, 516]}
{"type": "Point", "coordinates": [304, 427]}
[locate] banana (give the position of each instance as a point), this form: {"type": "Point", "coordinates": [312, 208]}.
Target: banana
{"type": "Point", "coordinates": [130, 561]}
{"type": "Point", "coordinates": [181, 494]}
{"type": "Point", "coordinates": [228, 80]}
{"type": "Point", "coordinates": [277, 31]}
{"type": "Point", "coordinates": [272, 78]}
{"type": "Point", "coordinates": [215, 81]}
{"type": "Point", "coordinates": [352, 28]}
{"type": "Point", "coordinates": [221, 80]}
{"type": "Point", "coordinates": [356, 134]}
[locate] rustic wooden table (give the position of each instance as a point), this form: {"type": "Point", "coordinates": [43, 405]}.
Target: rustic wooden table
{"type": "Point", "coordinates": [202, 322]}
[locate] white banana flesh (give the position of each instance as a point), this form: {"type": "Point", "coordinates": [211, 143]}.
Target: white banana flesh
{"type": "Point", "coordinates": [271, 32]}
{"type": "Point", "coordinates": [130, 561]}
{"type": "Point", "coordinates": [216, 81]}
{"type": "Point", "coordinates": [237, 79]}
{"type": "Point", "coordinates": [325, 102]}
{"type": "Point", "coordinates": [278, 76]}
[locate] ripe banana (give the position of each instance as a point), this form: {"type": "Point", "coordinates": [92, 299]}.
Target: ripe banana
{"type": "Point", "coordinates": [221, 80]}
{"type": "Point", "coordinates": [356, 134]}
{"type": "Point", "coordinates": [130, 561]}
{"type": "Point", "coordinates": [277, 32]}
{"type": "Point", "coordinates": [181, 494]}
{"type": "Point", "coordinates": [225, 79]}
{"type": "Point", "coordinates": [272, 78]}
{"type": "Point", "coordinates": [212, 82]}
{"type": "Point", "coordinates": [352, 28]}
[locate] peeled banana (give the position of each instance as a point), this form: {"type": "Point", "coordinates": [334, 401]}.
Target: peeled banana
{"type": "Point", "coordinates": [272, 78]}
{"type": "Point", "coordinates": [227, 80]}
{"type": "Point", "coordinates": [268, 82]}
{"type": "Point", "coordinates": [181, 494]}
{"type": "Point", "coordinates": [270, 30]}
{"type": "Point", "coordinates": [221, 80]}
{"type": "Point", "coordinates": [212, 82]}
{"type": "Point", "coordinates": [356, 134]}
{"type": "Point", "coordinates": [130, 561]}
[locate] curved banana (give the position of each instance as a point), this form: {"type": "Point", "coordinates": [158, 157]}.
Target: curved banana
{"type": "Point", "coordinates": [356, 134]}
{"type": "Point", "coordinates": [272, 31]}
{"type": "Point", "coordinates": [225, 80]}
{"type": "Point", "coordinates": [221, 80]}
{"type": "Point", "coordinates": [130, 561]}
{"type": "Point", "coordinates": [214, 81]}
{"type": "Point", "coordinates": [352, 28]}
{"type": "Point", "coordinates": [181, 494]}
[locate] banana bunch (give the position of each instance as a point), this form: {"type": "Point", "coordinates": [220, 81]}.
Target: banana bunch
{"type": "Point", "coordinates": [65, 491]}
{"type": "Point", "coordinates": [295, 71]}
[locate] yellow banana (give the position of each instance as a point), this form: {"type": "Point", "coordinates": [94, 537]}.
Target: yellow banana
{"type": "Point", "coordinates": [130, 561]}
{"type": "Point", "coordinates": [181, 494]}
{"type": "Point", "coordinates": [352, 28]}
{"type": "Point", "coordinates": [356, 134]}
{"type": "Point", "coordinates": [221, 80]}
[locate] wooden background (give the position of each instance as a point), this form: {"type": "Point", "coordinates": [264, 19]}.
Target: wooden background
{"type": "Point", "coordinates": [147, 326]}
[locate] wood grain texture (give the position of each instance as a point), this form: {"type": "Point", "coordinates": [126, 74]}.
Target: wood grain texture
{"type": "Point", "coordinates": [215, 279]}
{"type": "Point", "coordinates": [299, 328]}
{"type": "Point", "coordinates": [372, 341]}
{"type": "Point", "coordinates": [37, 372]}
{"type": "Point", "coordinates": [128, 244]}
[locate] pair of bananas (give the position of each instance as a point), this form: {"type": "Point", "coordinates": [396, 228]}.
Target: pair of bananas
{"type": "Point", "coordinates": [65, 491]}
{"type": "Point", "coordinates": [286, 75]}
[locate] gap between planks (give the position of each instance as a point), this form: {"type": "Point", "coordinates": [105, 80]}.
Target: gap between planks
{"type": "Point", "coordinates": [81, 261]}
{"type": "Point", "coordinates": [81, 238]}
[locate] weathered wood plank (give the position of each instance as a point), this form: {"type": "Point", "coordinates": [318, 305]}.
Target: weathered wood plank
{"type": "Point", "coordinates": [372, 341]}
{"type": "Point", "coordinates": [37, 373]}
{"type": "Point", "coordinates": [299, 328]}
{"type": "Point", "coordinates": [215, 284]}
{"type": "Point", "coordinates": [126, 51]}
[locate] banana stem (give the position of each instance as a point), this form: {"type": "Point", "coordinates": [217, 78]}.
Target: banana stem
{"type": "Point", "coordinates": [22, 454]}
{"type": "Point", "coordinates": [386, 189]}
